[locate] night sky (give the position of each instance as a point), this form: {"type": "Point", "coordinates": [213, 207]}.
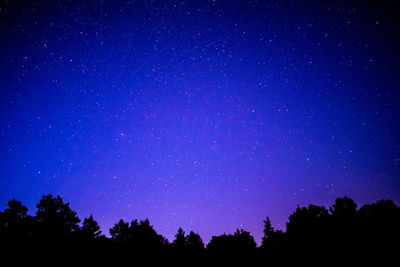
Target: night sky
{"type": "Point", "coordinates": [205, 115]}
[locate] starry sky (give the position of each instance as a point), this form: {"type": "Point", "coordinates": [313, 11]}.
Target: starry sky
{"type": "Point", "coordinates": [205, 115]}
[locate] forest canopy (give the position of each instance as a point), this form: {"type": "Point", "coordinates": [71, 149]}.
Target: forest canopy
{"type": "Point", "coordinates": [341, 233]}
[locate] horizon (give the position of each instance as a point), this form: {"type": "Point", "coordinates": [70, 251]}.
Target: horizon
{"type": "Point", "coordinates": [106, 232]}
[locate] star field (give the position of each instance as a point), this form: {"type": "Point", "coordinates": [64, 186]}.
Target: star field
{"type": "Point", "coordinates": [208, 116]}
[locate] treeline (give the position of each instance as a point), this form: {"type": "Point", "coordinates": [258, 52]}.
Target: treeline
{"type": "Point", "coordinates": [315, 235]}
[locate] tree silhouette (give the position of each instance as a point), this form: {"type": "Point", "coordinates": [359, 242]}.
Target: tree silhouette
{"type": "Point", "coordinates": [307, 231]}
{"type": "Point", "coordinates": [90, 228]}
{"type": "Point", "coordinates": [314, 236]}
{"type": "Point", "coordinates": [15, 224]}
{"type": "Point", "coordinates": [138, 236]}
{"type": "Point", "coordinates": [55, 219]}
{"type": "Point", "coordinates": [240, 244]}
{"type": "Point", "coordinates": [268, 229]}
{"type": "Point", "coordinates": [341, 239]}
{"type": "Point", "coordinates": [343, 207]}
{"type": "Point", "coordinates": [221, 244]}
{"type": "Point", "coordinates": [272, 242]}
{"type": "Point", "coordinates": [16, 209]}
{"type": "Point", "coordinates": [243, 241]}
{"type": "Point", "coordinates": [148, 238]}
{"type": "Point", "coordinates": [378, 231]}
{"type": "Point", "coordinates": [120, 232]}
{"type": "Point", "coordinates": [195, 243]}
{"type": "Point", "coordinates": [269, 232]}
{"type": "Point", "coordinates": [180, 241]}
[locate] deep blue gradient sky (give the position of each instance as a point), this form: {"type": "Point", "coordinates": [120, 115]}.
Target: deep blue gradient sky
{"type": "Point", "coordinates": [204, 115]}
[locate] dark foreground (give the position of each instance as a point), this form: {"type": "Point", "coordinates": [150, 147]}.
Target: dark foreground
{"type": "Point", "coordinates": [341, 235]}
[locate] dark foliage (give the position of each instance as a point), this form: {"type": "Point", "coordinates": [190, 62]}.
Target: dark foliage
{"type": "Point", "coordinates": [137, 238]}
{"type": "Point", "coordinates": [90, 229]}
{"type": "Point", "coordinates": [55, 219]}
{"type": "Point", "coordinates": [180, 242]}
{"type": "Point", "coordinates": [194, 243]}
{"type": "Point", "coordinates": [15, 224]}
{"type": "Point", "coordinates": [314, 236]}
